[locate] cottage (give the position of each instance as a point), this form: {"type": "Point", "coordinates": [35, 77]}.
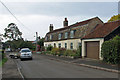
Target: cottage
{"type": "Point", "coordinates": [92, 43]}
{"type": "Point", "coordinates": [69, 37]}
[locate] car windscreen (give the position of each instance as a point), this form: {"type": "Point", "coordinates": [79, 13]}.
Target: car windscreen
{"type": "Point", "coordinates": [25, 51]}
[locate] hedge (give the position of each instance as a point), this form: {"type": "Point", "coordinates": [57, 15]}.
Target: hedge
{"type": "Point", "coordinates": [110, 51]}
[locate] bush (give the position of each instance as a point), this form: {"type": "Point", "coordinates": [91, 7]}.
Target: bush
{"type": "Point", "coordinates": [69, 53]}
{"type": "Point", "coordinates": [79, 51]}
{"type": "Point", "coordinates": [110, 51]}
{"type": "Point", "coordinates": [62, 51]}
{"type": "Point", "coordinates": [49, 48]}
{"type": "Point", "coordinates": [55, 51]}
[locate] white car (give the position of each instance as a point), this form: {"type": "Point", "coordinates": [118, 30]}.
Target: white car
{"type": "Point", "coordinates": [25, 53]}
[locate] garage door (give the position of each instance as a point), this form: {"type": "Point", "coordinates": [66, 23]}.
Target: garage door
{"type": "Point", "coordinates": [92, 50]}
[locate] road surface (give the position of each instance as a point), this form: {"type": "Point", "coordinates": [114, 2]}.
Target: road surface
{"type": "Point", "coordinates": [43, 67]}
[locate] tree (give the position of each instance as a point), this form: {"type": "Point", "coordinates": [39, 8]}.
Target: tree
{"type": "Point", "coordinates": [114, 18]}
{"type": "Point", "coordinates": [41, 43]}
{"type": "Point", "coordinates": [1, 37]}
{"type": "Point", "coordinates": [12, 32]}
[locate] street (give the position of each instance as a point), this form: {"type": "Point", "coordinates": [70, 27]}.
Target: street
{"type": "Point", "coordinates": [44, 67]}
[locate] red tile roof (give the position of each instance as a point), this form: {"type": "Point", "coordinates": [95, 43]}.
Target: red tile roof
{"type": "Point", "coordinates": [102, 30]}
{"type": "Point", "coordinates": [74, 25]}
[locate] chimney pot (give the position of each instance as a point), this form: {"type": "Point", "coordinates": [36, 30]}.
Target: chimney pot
{"type": "Point", "coordinates": [51, 27]}
{"type": "Point", "coordinates": [65, 23]}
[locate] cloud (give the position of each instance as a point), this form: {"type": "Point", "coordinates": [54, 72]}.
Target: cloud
{"type": "Point", "coordinates": [36, 16]}
{"type": "Point", "coordinates": [63, 8]}
{"type": "Point", "coordinates": [60, 0]}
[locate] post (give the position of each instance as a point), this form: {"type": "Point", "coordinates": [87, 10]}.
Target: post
{"type": "Point", "coordinates": [36, 40]}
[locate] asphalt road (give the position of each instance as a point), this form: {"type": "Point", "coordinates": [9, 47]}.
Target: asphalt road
{"type": "Point", "coordinates": [44, 67]}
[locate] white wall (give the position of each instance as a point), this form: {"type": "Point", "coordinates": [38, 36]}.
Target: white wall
{"type": "Point", "coordinates": [101, 40]}
{"type": "Point", "coordinates": [74, 41]}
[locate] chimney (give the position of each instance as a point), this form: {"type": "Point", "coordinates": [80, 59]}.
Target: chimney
{"type": "Point", "coordinates": [65, 23]}
{"type": "Point", "coordinates": [51, 27]}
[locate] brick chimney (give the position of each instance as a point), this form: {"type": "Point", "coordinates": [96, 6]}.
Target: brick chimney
{"type": "Point", "coordinates": [65, 23]}
{"type": "Point", "coordinates": [51, 27]}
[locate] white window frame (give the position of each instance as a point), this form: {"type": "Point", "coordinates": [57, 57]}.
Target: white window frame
{"type": "Point", "coordinates": [66, 35]}
{"type": "Point", "coordinates": [72, 34]}
{"type": "Point", "coordinates": [60, 36]}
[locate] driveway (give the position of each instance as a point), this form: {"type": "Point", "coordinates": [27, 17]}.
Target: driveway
{"type": "Point", "coordinates": [45, 67]}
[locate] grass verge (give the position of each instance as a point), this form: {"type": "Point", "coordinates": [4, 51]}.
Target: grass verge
{"type": "Point", "coordinates": [3, 61]}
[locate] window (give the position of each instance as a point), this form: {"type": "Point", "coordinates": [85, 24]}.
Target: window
{"type": "Point", "coordinates": [54, 45]}
{"type": "Point", "coordinates": [66, 35]}
{"type": "Point", "coordinates": [59, 45]}
{"type": "Point", "coordinates": [45, 45]}
{"type": "Point", "coordinates": [66, 45]}
{"type": "Point", "coordinates": [60, 35]}
{"type": "Point", "coordinates": [51, 37]}
{"type": "Point", "coordinates": [71, 46]}
{"type": "Point", "coordinates": [71, 34]}
{"type": "Point", "coordinates": [46, 38]}
{"type": "Point", "coordinates": [79, 44]}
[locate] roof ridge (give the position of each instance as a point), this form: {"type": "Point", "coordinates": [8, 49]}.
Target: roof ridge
{"type": "Point", "coordinates": [74, 24]}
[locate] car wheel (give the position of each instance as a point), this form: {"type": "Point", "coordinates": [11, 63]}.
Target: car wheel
{"type": "Point", "coordinates": [31, 58]}
{"type": "Point", "coordinates": [21, 59]}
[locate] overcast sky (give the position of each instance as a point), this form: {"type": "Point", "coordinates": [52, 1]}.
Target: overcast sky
{"type": "Point", "coordinates": [37, 15]}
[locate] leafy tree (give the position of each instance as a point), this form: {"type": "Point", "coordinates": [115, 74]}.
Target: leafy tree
{"type": "Point", "coordinates": [116, 38]}
{"type": "Point", "coordinates": [15, 44]}
{"type": "Point", "coordinates": [12, 32]}
{"type": "Point", "coordinates": [114, 18]}
{"type": "Point", "coordinates": [41, 42]}
{"type": "Point", "coordinates": [1, 37]}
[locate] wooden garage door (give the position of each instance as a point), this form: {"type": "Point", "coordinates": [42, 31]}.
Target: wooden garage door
{"type": "Point", "coordinates": [92, 50]}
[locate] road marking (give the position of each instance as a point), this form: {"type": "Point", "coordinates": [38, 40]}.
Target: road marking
{"type": "Point", "coordinates": [19, 70]}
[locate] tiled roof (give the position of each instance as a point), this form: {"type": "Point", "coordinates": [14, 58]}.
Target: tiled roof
{"type": "Point", "coordinates": [74, 25]}
{"type": "Point", "coordinates": [102, 30]}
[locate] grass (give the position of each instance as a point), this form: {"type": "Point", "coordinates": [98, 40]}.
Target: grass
{"type": "Point", "coordinates": [2, 62]}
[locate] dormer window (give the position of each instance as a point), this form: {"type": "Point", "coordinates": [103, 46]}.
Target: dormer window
{"type": "Point", "coordinates": [60, 36]}
{"type": "Point", "coordinates": [72, 34]}
{"type": "Point", "coordinates": [66, 35]}
{"type": "Point", "coordinates": [46, 38]}
{"type": "Point", "coordinates": [51, 37]}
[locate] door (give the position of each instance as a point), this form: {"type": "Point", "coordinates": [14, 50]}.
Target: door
{"type": "Point", "coordinates": [92, 50]}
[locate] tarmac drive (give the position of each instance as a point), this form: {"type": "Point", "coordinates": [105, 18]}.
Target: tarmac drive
{"type": "Point", "coordinates": [44, 67]}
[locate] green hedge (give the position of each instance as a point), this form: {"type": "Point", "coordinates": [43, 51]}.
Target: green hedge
{"type": "Point", "coordinates": [110, 51]}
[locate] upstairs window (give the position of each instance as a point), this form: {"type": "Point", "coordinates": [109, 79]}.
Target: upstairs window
{"type": "Point", "coordinates": [46, 38]}
{"type": "Point", "coordinates": [59, 36]}
{"type": "Point", "coordinates": [66, 35]}
{"type": "Point", "coordinates": [51, 37]}
{"type": "Point", "coordinates": [71, 34]}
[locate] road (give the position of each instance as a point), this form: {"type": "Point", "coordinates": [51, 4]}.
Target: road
{"type": "Point", "coordinates": [43, 67]}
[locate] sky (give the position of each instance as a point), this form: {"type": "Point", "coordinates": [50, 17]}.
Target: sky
{"type": "Point", "coordinates": [36, 15]}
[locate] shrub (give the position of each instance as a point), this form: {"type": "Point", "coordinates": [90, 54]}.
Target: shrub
{"type": "Point", "coordinates": [49, 48]}
{"type": "Point", "coordinates": [69, 53]}
{"type": "Point", "coordinates": [62, 51]}
{"type": "Point", "coordinates": [79, 51]}
{"type": "Point", "coordinates": [55, 51]}
{"type": "Point", "coordinates": [110, 51]}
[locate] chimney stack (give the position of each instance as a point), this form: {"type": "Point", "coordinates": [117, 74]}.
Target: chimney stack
{"type": "Point", "coordinates": [51, 27]}
{"type": "Point", "coordinates": [65, 23]}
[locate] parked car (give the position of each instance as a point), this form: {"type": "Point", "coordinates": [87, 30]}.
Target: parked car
{"type": "Point", "coordinates": [25, 53]}
{"type": "Point", "coordinates": [14, 55]}
{"type": "Point", "coordinates": [11, 55]}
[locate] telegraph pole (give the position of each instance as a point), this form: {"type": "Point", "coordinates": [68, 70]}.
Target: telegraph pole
{"type": "Point", "coordinates": [36, 40]}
